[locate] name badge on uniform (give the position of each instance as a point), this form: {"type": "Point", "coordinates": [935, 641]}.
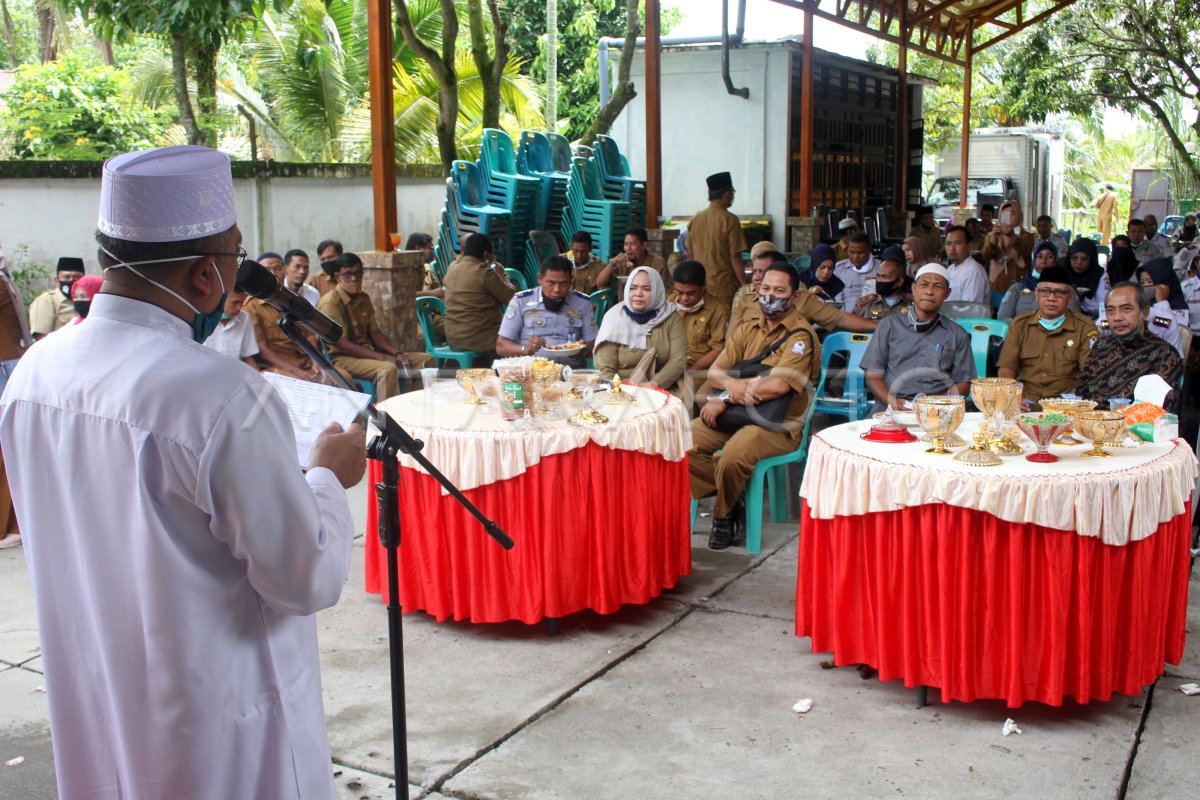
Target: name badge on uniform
{"type": "Point", "coordinates": [1070, 342]}
{"type": "Point", "coordinates": [1162, 322]}
{"type": "Point", "coordinates": [1026, 291]}
{"type": "Point", "coordinates": [799, 348]}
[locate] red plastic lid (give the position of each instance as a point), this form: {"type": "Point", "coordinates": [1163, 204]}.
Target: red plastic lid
{"type": "Point", "coordinates": [889, 435]}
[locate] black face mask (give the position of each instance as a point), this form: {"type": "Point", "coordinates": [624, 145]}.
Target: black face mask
{"type": "Point", "coordinates": [886, 288]}
{"type": "Point", "coordinates": [66, 289]}
{"type": "Point", "coordinates": [552, 304]}
{"type": "Point", "coordinates": [329, 266]}
{"type": "Point", "coordinates": [82, 307]}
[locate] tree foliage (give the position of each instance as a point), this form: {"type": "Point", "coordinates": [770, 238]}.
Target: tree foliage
{"type": "Point", "coordinates": [70, 109]}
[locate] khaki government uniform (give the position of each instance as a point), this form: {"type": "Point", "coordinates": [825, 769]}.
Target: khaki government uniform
{"type": "Point", "coordinates": [50, 311]}
{"type": "Point", "coordinates": [841, 250]}
{"type": "Point", "coordinates": [820, 315]}
{"type": "Point", "coordinates": [476, 296]}
{"type": "Point", "coordinates": [322, 282]}
{"type": "Point", "coordinates": [585, 276]}
{"type": "Point", "coordinates": [269, 335]}
{"type": "Point", "coordinates": [797, 362]}
{"type": "Point", "coordinates": [879, 309]}
{"type": "Point", "coordinates": [669, 342]}
{"type": "Point", "coordinates": [1047, 362]}
{"type": "Point", "coordinates": [622, 267]}
{"type": "Point", "coordinates": [356, 314]}
{"type": "Point", "coordinates": [1106, 209]}
{"type": "Point", "coordinates": [714, 237]}
{"type": "Point", "coordinates": [705, 329]}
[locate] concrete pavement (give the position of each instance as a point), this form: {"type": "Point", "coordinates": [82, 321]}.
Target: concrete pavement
{"type": "Point", "coordinates": [689, 696]}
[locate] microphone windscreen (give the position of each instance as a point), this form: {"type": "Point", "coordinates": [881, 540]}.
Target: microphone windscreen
{"type": "Point", "coordinates": [256, 280]}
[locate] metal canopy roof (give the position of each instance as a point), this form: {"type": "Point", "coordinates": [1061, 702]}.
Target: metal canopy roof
{"type": "Point", "coordinates": [938, 28]}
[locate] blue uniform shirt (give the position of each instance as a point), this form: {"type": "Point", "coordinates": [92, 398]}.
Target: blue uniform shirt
{"type": "Point", "coordinates": [527, 316]}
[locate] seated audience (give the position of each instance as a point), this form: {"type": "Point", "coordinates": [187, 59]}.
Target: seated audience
{"type": "Point", "coordinates": [968, 278]}
{"type": "Point", "coordinates": [477, 292]}
{"type": "Point", "coordinates": [364, 351]}
{"type": "Point", "coordinates": [855, 270]}
{"type": "Point", "coordinates": [276, 352]}
{"type": "Point", "coordinates": [773, 355]}
{"type": "Point", "coordinates": [642, 322]}
{"type": "Point", "coordinates": [819, 279]}
{"type": "Point", "coordinates": [704, 325]}
{"type": "Point", "coordinates": [921, 352]}
{"type": "Point", "coordinates": [586, 266]}
{"type": "Point", "coordinates": [1117, 361]}
{"type": "Point", "coordinates": [547, 315]}
{"type": "Point", "coordinates": [1046, 348]}
{"type": "Point", "coordinates": [1168, 308]}
{"type": "Point", "coordinates": [234, 334]}
{"type": "Point", "coordinates": [745, 299]}
{"type": "Point", "coordinates": [633, 256]}
{"type": "Point", "coordinates": [891, 294]}
{"type": "Point", "coordinates": [1086, 275]}
{"type": "Point", "coordinates": [328, 252]}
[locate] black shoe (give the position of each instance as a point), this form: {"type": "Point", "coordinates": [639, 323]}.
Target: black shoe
{"type": "Point", "coordinates": [738, 517]}
{"type": "Point", "coordinates": [722, 533]}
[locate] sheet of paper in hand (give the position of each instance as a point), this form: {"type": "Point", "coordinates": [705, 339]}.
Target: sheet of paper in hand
{"type": "Point", "coordinates": [312, 406]}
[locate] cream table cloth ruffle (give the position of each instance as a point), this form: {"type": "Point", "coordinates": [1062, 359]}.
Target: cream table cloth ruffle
{"type": "Point", "coordinates": [474, 449]}
{"type": "Point", "coordinates": [1120, 499]}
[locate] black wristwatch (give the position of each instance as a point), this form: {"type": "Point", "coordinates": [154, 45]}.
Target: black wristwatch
{"type": "Point", "coordinates": [725, 398]}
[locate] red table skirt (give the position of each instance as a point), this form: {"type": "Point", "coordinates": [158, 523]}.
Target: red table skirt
{"type": "Point", "coordinates": [957, 599]}
{"type": "Point", "coordinates": [594, 528]}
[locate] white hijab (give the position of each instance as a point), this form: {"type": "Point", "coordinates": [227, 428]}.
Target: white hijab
{"type": "Point", "coordinates": [617, 326]}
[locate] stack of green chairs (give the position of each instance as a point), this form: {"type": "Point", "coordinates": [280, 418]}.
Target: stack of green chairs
{"type": "Point", "coordinates": [588, 210]}
{"type": "Point", "coordinates": [617, 184]}
{"type": "Point", "coordinates": [535, 158]}
{"type": "Point", "coordinates": [518, 194]}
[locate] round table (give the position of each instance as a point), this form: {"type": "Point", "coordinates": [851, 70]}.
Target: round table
{"type": "Point", "coordinates": [600, 515]}
{"type": "Point", "coordinates": [1022, 581]}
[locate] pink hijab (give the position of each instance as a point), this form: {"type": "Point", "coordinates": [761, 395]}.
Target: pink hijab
{"type": "Point", "coordinates": [90, 284]}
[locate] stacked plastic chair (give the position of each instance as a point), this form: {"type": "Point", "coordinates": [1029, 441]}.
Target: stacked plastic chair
{"type": "Point", "coordinates": [535, 158]}
{"type": "Point", "coordinates": [589, 210]}
{"type": "Point", "coordinates": [617, 183]}
{"type": "Point", "coordinates": [508, 189]}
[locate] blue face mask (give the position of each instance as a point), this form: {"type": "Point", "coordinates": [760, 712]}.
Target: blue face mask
{"type": "Point", "coordinates": [202, 324]}
{"type": "Point", "coordinates": [1053, 324]}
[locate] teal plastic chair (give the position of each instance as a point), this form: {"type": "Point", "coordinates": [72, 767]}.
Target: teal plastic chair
{"type": "Point", "coordinates": [854, 402]}
{"type": "Point", "coordinates": [772, 471]}
{"type": "Point", "coordinates": [426, 308]}
{"type": "Point", "coordinates": [365, 386]}
{"type": "Point", "coordinates": [996, 298]}
{"type": "Point", "coordinates": [802, 262]}
{"type": "Point", "coordinates": [982, 331]}
{"type": "Point", "coordinates": [517, 278]}
{"type": "Point", "coordinates": [602, 300]}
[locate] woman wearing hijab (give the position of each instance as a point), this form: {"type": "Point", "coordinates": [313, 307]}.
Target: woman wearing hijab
{"type": "Point", "coordinates": [1086, 275]}
{"type": "Point", "coordinates": [1122, 264]}
{"type": "Point", "coordinates": [1163, 294]}
{"type": "Point", "coordinates": [82, 292]}
{"type": "Point", "coordinates": [644, 320]}
{"type": "Point", "coordinates": [917, 253]}
{"type": "Point", "coordinates": [1020, 298]}
{"type": "Point", "coordinates": [819, 277]}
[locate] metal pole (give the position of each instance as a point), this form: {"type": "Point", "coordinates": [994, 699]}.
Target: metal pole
{"type": "Point", "coordinates": [900, 193]}
{"type": "Point", "coordinates": [966, 124]}
{"type": "Point", "coordinates": [806, 117]}
{"type": "Point", "coordinates": [383, 120]}
{"type": "Point", "coordinates": [653, 116]}
{"type": "Point", "coordinates": [552, 65]}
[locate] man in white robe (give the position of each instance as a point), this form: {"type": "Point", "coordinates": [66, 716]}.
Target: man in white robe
{"type": "Point", "coordinates": [176, 550]}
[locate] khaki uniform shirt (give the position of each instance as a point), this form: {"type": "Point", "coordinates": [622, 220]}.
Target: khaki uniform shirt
{"type": "Point", "coordinates": [705, 329]}
{"type": "Point", "coordinates": [50, 311]}
{"type": "Point", "coordinates": [714, 237]}
{"type": "Point", "coordinates": [430, 282]}
{"type": "Point", "coordinates": [879, 309]}
{"type": "Point", "coordinates": [585, 276]}
{"type": "Point", "coordinates": [1047, 362]}
{"type": "Point", "coordinates": [355, 313]}
{"type": "Point", "coordinates": [841, 250]}
{"type": "Point", "coordinates": [797, 361]}
{"type": "Point", "coordinates": [322, 282]}
{"type": "Point", "coordinates": [818, 314]}
{"type": "Point", "coordinates": [476, 296]}
{"type": "Point", "coordinates": [269, 335]}
{"type": "Point", "coordinates": [622, 268]}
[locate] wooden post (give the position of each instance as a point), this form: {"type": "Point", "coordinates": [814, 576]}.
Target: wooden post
{"type": "Point", "coordinates": [806, 118]}
{"type": "Point", "coordinates": [653, 116]}
{"type": "Point", "coordinates": [900, 189]}
{"type": "Point", "coordinates": [383, 121]}
{"type": "Point", "coordinates": [966, 125]}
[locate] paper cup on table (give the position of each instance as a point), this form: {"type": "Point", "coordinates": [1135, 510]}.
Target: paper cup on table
{"type": "Point", "coordinates": [429, 376]}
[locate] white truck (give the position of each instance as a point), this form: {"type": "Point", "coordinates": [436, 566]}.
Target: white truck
{"type": "Point", "coordinates": [1025, 163]}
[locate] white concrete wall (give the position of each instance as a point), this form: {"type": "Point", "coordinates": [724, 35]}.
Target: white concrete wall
{"type": "Point", "coordinates": [57, 216]}
{"type": "Point", "coordinates": [707, 130]}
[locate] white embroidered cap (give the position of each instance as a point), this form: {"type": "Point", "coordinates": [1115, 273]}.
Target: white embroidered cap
{"type": "Point", "coordinates": [166, 195]}
{"type": "Point", "coordinates": [935, 269]}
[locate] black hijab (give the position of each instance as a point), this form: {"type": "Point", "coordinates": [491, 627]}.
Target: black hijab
{"type": "Point", "coordinates": [1162, 272]}
{"type": "Point", "coordinates": [832, 287]}
{"type": "Point", "coordinates": [1089, 279]}
{"type": "Point", "coordinates": [1121, 265]}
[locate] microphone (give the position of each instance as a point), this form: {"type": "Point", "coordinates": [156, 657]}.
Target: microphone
{"type": "Point", "coordinates": [257, 281]}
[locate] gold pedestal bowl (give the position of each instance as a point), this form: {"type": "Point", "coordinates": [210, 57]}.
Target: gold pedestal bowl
{"type": "Point", "coordinates": [1100, 427]}
{"type": "Point", "coordinates": [466, 379]}
{"type": "Point", "coordinates": [1070, 406]}
{"type": "Point", "coordinates": [939, 416]}
{"type": "Point", "coordinates": [1000, 401]}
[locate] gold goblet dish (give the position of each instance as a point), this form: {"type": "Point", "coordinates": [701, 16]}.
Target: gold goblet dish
{"type": "Point", "coordinates": [1072, 407]}
{"type": "Point", "coordinates": [1000, 400]}
{"type": "Point", "coordinates": [466, 379]}
{"type": "Point", "coordinates": [1100, 427]}
{"type": "Point", "coordinates": [939, 416]}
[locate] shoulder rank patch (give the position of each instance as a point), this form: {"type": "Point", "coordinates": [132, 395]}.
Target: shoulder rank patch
{"type": "Point", "coordinates": [512, 311]}
{"type": "Point", "coordinates": [1091, 339]}
{"type": "Point", "coordinates": [799, 348]}
{"type": "Point", "coordinates": [578, 293]}
{"type": "Point", "coordinates": [526, 293]}
{"type": "Point", "coordinates": [1162, 322]}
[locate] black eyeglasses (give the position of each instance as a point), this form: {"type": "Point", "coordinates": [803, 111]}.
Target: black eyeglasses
{"type": "Point", "coordinates": [240, 255]}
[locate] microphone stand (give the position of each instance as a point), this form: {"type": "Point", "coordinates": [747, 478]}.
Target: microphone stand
{"type": "Point", "coordinates": [385, 447]}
